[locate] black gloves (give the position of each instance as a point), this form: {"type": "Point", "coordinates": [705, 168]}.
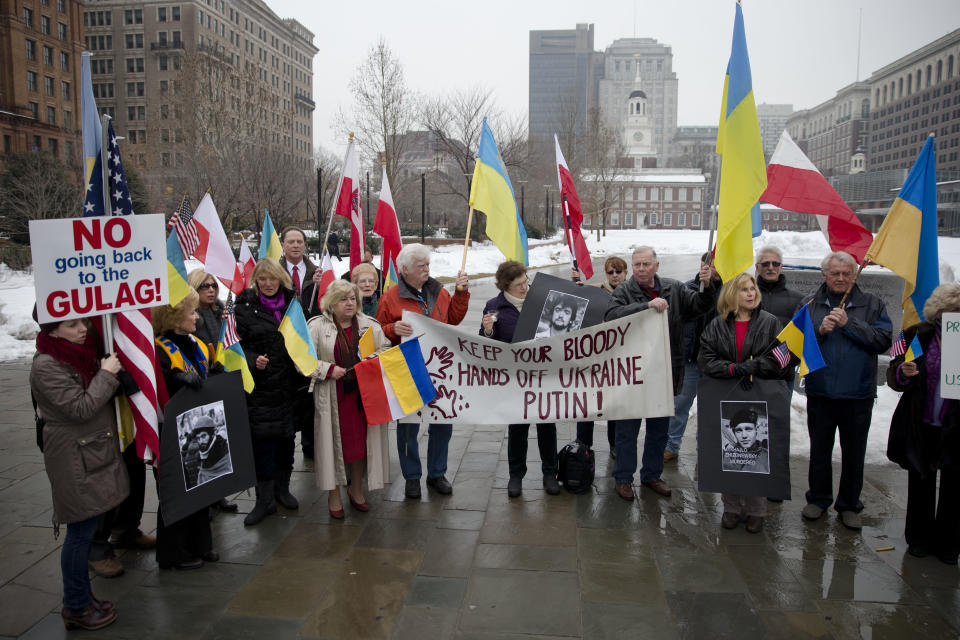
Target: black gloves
{"type": "Point", "coordinates": [128, 385]}
{"type": "Point", "coordinates": [188, 378]}
{"type": "Point", "coordinates": [747, 368]}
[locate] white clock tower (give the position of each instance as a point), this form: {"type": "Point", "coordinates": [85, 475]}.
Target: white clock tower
{"type": "Point", "coordinates": [638, 131]}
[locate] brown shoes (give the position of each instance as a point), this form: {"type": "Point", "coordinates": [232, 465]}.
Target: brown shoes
{"type": "Point", "coordinates": [754, 524]}
{"type": "Point", "coordinates": [730, 520]}
{"type": "Point", "coordinates": [659, 486]}
{"type": "Point", "coordinates": [670, 456]}
{"type": "Point", "coordinates": [625, 490]}
{"type": "Point", "coordinates": [106, 568]}
{"type": "Point", "coordinates": [90, 617]}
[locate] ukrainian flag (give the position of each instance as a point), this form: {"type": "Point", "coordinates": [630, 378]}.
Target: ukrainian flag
{"type": "Point", "coordinates": [390, 275]}
{"type": "Point", "coordinates": [90, 119]}
{"type": "Point", "coordinates": [269, 240]}
{"type": "Point", "coordinates": [914, 351]}
{"type": "Point", "coordinates": [395, 384]}
{"type": "Point", "coordinates": [801, 338]}
{"type": "Point", "coordinates": [492, 193]}
{"type": "Point", "coordinates": [743, 174]}
{"type": "Point", "coordinates": [176, 271]}
{"type": "Point", "coordinates": [907, 241]}
{"type": "Point", "coordinates": [296, 338]}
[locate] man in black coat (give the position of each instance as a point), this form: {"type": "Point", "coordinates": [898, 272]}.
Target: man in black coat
{"type": "Point", "coordinates": [646, 290]}
{"type": "Point", "coordinates": [776, 298]}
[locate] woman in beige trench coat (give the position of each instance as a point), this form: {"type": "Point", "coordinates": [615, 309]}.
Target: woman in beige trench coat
{"type": "Point", "coordinates": [340, 430]}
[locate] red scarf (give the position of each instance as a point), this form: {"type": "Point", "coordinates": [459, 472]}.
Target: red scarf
{"type": "Point", "coordinates": [81, 357]}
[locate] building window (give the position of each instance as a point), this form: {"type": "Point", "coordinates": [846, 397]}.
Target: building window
{"type": "Point", "coordinates": [695, 220]}
{"type": "Point", "coordinates": [134, 65]}
{"type": "Point", "coordinates": [62, 6]}
{"type": "Point", "coordinates": [136, 113]}
{"type": "Point", "coordinates": [175, 14]}
{"type": "Point", "coordinates": [48, 86]}
{"type": "Point", "coordinates": [134, 41]}
{"type": "Point", "coordinates": [65, 89]}
{"type": "Point", "coordinates": [163, 63]}
{"type": "Point", "coordinates": [681, 219]}
{"type": "Point", "coordinates": [67, 120]}
{"type": "Point", "coordinates": [51, 115]}
{"type": "Point", "coordinates": [165, 159]}
{"type": "Point", "coordinates": [62, 31]}
{"type": "Point", "coordinates": [52, 146]}
{"type": "Point", "coordinates": [667, 219]}
{"type": "Point", "coordinates": [628, 219]}
{"type": "Point", "coordinates": [64, 61]}
{"type": "Point", "coordinates": [653, 219]}
{"type": "Point", "coordinates": [164, 87]}
{"type": "Point", "coordinates": [28, 18]}
{"type": "Point", "coordinates": [162, 38]}
{"type": "Point", "coordinates": [614, 217]}
{"type": "Point", "coordinates": [34, 110]}
{"type": "Point", "coordinates": [31, 49]}
{"type": "Point", "coordinates": [161, 14]}
{"type": "Point", "coordinates": [45, 25]}
{"type": "Point", "coordinates": [134, 89]}
{"type": "Point", "coordinates": [48, 55]}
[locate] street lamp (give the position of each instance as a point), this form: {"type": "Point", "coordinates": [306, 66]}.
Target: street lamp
{"type": "Point", "coordinates": [423, 207]}
{"type": "Point", "coordinates": [522, 185]}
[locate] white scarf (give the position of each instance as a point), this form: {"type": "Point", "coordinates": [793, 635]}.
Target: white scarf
{"type": "Point", "coordinates": [515, 301]}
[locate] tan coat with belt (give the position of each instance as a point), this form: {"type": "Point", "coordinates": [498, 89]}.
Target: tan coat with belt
{"type": "Point", "coordinates": [328, 451]}
{"type": "Point", "coordinates": [81, 450]}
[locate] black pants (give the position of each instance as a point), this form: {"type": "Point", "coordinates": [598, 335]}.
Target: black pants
{"type": "Point", "coordinates": [585, 433]}
{"type": "Point", "coordinates": [185, 539]}
{"type": "Point", "coordinates": [303, 409]}
{"type": "Point", "coordinates": [932, 523]}
{"type": "Point", "coordinates": [271, 455]}
{"type": "Point", "coordinates": [826, 416]}
{"type": "Point", "coordinates": [123, 521]}
{"type": "Point", "coordinates": [517, 448]}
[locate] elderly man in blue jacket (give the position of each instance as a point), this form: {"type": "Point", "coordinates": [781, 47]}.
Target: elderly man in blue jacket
{"type": "Point", "coordinates": [840, 396]}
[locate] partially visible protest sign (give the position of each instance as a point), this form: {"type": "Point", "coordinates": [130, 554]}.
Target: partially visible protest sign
{"type": "Point", "coordinates": [92, 266]}
{"type": "Point", "coordinates": [611, 371]}
{"type": "Point", "coordinates": [743, 437]}
{"type": "Point", "coordinates": [950, 356]}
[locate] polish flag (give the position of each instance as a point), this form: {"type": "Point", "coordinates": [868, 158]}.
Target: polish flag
{"type": "Point", "coordinates": [795, 184]}
{"type": "Point", "coordinates": [348, 203]}
{"type": "Point", "coordinates": [214, 249]}
{"type": "Point", "coordinates": [573, 215]}
{"type": "Point", "coordinates": [245, 264]}
{"type": "Point", "coordinates": [326, 276]}
{"type": "Point", "coordinates": [386, 225]}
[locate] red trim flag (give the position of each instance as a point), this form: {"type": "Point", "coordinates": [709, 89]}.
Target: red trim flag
{"type": "Point", "coordinates": [245, 265]}
{"type": "Point", "coordinates": [326, 276]}
{"type": "Point", "coordinates": [568, 193]}
{"type": "Point", "coordinates": [394, 384]}
{"type": "Point", "coordinates": [214, 249]}
{"type": "Point", "coordinates": [795, 184]}
{"type": "Point", "coordinates": [386, 226]}
{"type": "Point", "coordinates": [348, 203]}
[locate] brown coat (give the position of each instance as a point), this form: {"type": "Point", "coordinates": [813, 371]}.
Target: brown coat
{"type": "Point", "coordinates": [81, 450]}
{"type": "Point", "coordinates": [326, 422]}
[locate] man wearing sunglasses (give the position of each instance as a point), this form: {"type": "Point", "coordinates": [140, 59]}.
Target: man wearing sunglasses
{"type": "Point", "coordinates": [776, 298]}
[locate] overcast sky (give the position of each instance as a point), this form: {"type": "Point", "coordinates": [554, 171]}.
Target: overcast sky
{"type": "Point", "coordinates": [801, 51]}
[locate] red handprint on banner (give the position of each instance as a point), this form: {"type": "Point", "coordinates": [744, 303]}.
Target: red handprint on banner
{"type": "Point", "coordinates": [445, 402]}
{"type": "Point", "coordinates": [439, 361]}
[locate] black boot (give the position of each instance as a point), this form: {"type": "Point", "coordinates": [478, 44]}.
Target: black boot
{"type": "Point", "coordinates": [281, 490]}
{"type": "Point", "coordinates": [265, 504]}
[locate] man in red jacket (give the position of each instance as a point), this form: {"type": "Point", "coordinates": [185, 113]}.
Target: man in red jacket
{"type": "Point", "coordinates": [419, 293]}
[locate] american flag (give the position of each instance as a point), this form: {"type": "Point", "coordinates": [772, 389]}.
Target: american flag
{"type": "Point", "coordinates": [230, 336]}
{"type": "Point", "coordinates": [185, 227]}
{"type": "Point", "coordinates": [132, 331]}
{"type": "Point", "coordinates": [899, 346]}
{"type": "Point", "coordinates": [782, 354]}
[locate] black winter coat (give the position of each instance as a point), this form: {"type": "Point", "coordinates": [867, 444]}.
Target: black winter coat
{"type": "Point", "coordinates": [913, 444]}
{"type": "Point", "coordinates": [684, 305]}
{"type": "Point", "coordinates": [507, 316]}
{"type": "Point", "coordinates": [777, 299]}
{"type": "Point", "coordinates": [718, 346]}
{"type": "Point", "coordinates": [270, 406]}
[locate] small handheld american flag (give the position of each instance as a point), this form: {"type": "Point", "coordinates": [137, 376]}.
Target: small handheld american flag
{"type": "Point", "coordinates": [186, 228]}
{"type": "Point", "coordinates": [899, 346]}
{"type": "Point", "coordinates": [782, 354]}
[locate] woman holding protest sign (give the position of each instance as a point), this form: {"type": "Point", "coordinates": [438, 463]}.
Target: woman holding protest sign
{"type": "Point", "coordinates": [925, 434]}
{"type": "Point", "coordinates": [185, 362]}
{"type": "Point", "coordinates": [499, 322]}
{"type": "Point", "coordinates": [73, 388]}
{"type": "Point", "coordinates": [344, 441]}
{"type": "Point", "coordinates": [259, 312]}
{"type": "Point", "coordinates": [737, 344]}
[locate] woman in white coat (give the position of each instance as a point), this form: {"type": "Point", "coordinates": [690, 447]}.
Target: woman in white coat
{"type": "Point", "coordinates": [341, 436]}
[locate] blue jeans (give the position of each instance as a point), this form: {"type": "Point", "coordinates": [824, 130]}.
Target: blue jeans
{"type": "Point", "coordinates": [681, 406]}
{"type": "Point", "coordinates": [654, 444]}
{"type": "Point", "coordinates": [73, 562]}
{"type": "Point", "coordinates": [408, 450]}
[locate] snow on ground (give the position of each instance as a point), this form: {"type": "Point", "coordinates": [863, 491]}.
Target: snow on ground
{"type": "Point", "coordinates": [18, 330]}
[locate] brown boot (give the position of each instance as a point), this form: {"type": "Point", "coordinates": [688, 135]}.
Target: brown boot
{"type": "Point", "coordinates": [754, 524]}
{"type": "Point", "coordinates": [90, 617]}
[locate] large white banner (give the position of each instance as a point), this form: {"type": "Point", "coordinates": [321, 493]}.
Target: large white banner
{"type": "Point", "coordinates": [92, 266]}
{"type": "Point", "coordinates": [611, 371]}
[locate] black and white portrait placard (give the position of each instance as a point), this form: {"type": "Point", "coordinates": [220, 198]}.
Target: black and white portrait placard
{"type": "Point", "coordinates": [743, 437]}
{"type": "Point", "coordinates": [205, 448]}
{"type": "Point", "coordinates": [554, 306]}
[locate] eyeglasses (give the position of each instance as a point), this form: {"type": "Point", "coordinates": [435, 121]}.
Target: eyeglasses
{"type": "Point", "coordinates": [208, 285]}
{"type": "Point", "coordinates": [770, 263]}
{"type": "Point", "coordinates": [613, 271]}
{"type": "Point", "coordinates": [520, 285]}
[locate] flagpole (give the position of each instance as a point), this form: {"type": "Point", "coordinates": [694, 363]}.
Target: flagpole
{"type": "Point", "coordinates": [566, 227]}
{"type": "Point", "coordinates": [466, 243]}
{"type": "Point", "coordinates": [865, 262]}
{"type": "Point", "coordinates": [333, 210]}
{"type": "Point", "coordinates": [713, 223]}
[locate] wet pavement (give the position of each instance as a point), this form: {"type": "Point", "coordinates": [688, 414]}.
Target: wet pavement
{"type": "Point", "coordinates": [477, 565]}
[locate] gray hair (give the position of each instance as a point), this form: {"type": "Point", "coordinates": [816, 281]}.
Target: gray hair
{"type": "Point", "coordinates": [410, 253]}
{"type": "Point", "coordinates": [944, 298]}
{"type": "Point", "coordinates": [642, 248]}
{"type": "Point", "coordinates": [337, 291]}
{"type": "Point", "coordinates": [839, 256]}
{"type": "Point", "coordinates": [769, 248]}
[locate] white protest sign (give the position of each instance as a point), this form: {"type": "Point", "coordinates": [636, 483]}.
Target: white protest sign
{"type": "Point", "coordinates": [92, 266]}
{"type": "Point", "coordinates": [950, 356]}
{"type": "Point", "coordinates": [611, 371]}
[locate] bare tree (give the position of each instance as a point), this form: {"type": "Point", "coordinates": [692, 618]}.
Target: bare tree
{"type": "Point", "coordinates": [36, 186]}
{"type": "Point", "coordinates": [603, 148]}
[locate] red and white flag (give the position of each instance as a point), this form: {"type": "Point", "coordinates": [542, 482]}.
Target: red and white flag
{"type": "Point", "coordinates": [387, 226]}
{"type": "Point", "coordinates": [245, 264]}
{"type": "Point", "coordinates": [573, 215]}
{"type": "Point", "coordinates": [795, 184]}
{"type": "Point", "coordinates": [214, 249]}
{"type": "Point", "coordinates": [326, 276]}
{"type": "Point", "coordinates": [348, 203]}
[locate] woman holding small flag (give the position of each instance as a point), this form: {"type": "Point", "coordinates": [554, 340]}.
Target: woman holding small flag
{"type": "Point", "coordinates": [343, 439]}
{"type": "Point", "coordinates": [259, 312]}
{"type": "Point", "coordinates": [738, 344]}
{"type": "Point", "coordinates": [925, 433]}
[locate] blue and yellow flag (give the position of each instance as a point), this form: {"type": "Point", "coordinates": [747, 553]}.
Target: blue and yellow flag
{"type": "Point", "coordinates": [297, 340]}
{"type": "Point", "coordinates": [914, 351]}
{"type": "Point", "coordinates": [743, 173]}
{"type": "Point", "coordinates": [390, 275]}
{"type": "Point", "coordinates": [176, 271]}
{"type": "Point", "coordinates": [229, 352]}
{"type": "Point", "coordinates": [90, 118]}
{"type": "Point", "coordinates": [907, 241]}
{"type": "Point", "coordinates": [801, 338]}
{"type": "Point", "coordinates": [269, 240]}
{"type": "Point", "coordinates": [492, 193]}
